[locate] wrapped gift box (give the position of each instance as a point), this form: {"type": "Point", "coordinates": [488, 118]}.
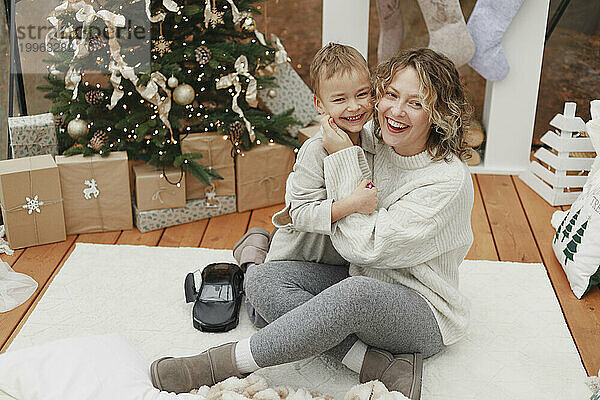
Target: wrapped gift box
{"type": "Point", "coordinates": [133, 163]}
{"type": "Point", "coordinates": [32, 135]}
{"type": "Point", "coordinates": [216, 153]}
{"type": "Point", "coordinates": [31, 200]}
{"type": "Point", "coordinates": [155, 191]}
{"type": "Point", "coordinates": [261, 174]}
{"type": "Point", "coordinates": [194, 210]}
{"type": "Point", "coordinates": [291, 93]}
{"type": "Point", "coordinates": [96, 192]}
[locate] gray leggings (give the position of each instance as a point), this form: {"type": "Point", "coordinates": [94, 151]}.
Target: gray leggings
{"type": "Point", "coordinates": [314, 308]}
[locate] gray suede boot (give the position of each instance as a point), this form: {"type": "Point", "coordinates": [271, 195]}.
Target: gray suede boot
{"type": "Point", "coordinates": [252, 248]}
{"type": "Point", "coordinates": [402, 372]}
{"type": "Point", "coordinates": [181, 375]}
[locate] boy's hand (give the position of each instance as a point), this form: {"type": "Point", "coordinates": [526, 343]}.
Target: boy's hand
{"type": "Point", "coordinates": [364, 198]}
{"type": "Point", "coordinates": [334, 139]}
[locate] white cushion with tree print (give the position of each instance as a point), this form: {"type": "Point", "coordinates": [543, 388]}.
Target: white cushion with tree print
{"type": "Point", "coordinates": [577, 239]}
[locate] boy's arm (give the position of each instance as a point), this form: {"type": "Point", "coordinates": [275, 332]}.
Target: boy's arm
{"type": "Point", "coordinates": [307, 205]}
{"type": "Point", "coordinates": [305, 193]}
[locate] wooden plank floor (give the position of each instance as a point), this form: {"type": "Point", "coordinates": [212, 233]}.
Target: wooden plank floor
{"type": "Point", "coordinates": [510, 223]}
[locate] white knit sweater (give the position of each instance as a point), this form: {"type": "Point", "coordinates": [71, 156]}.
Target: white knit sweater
{"type": "Point", "coordinates": [304, 225]}
{"type": "Point", "coordinates": [419, 234]}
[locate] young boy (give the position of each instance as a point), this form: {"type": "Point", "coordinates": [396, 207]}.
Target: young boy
{"type": "Point", "coordinates": [339, 77]}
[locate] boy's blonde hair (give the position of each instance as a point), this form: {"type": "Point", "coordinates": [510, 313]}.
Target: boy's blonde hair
{"type": "Point", "coordinates": [444, 99]}
{"type": "Point", "coordinates": [332, 59]}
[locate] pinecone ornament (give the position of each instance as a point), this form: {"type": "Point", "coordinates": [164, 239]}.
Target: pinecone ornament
{"type": "Point", "coordinates": [202, 55]}
{"type": "Point", "coordinates": [94, 96]}
{"type": "Point", "coordinates": [59, 122]}
{"type": "Point", "coordinates": [236, 130]}
{"type": "Point", "coordinates": [95, 43]}
{"type": "Point", "coordinates": [99, 140]}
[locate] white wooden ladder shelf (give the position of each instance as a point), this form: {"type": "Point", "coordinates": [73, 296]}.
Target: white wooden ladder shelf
{"type": "Point", "coordinates": [561, 167]}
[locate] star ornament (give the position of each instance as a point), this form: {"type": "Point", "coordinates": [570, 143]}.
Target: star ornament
{"type": "Point", "coordinates": [216, 18]}
{"type": "Point", "coordinates": [161, 45]}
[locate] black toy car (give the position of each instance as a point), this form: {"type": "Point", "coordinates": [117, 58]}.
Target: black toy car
{"type": "Point", "coordinates": [217, 301]}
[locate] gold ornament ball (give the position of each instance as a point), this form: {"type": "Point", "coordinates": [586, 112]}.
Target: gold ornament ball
{"type": "Point", "coordinates": [77, 128]}
{"type": "Point", "coordinates": [272, 93]}
{"type": "Point", "coordinates": [172, 82]}
{"type": "Point", "coordinates": [184, 94]}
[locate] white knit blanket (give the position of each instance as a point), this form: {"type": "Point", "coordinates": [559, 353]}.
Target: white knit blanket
{"type": "Point", "coordinates": [518, 345]}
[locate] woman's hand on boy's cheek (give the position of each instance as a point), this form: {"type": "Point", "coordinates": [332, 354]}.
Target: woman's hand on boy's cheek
{"type": "Point", "coordinates": [334, 139]}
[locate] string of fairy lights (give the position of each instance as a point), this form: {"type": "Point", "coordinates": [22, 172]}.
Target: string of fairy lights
{"type": "Point", "coordinates": [159, 135]}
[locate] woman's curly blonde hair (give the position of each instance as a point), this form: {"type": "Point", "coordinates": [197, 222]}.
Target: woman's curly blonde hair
{"type": "Point", "coordinates": [444, 101]}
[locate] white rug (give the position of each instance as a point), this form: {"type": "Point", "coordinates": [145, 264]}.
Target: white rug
{"type": "Point", "coordinates": [518, 346]}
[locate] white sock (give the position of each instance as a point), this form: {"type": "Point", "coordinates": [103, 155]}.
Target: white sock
{"type": "Point", "coordinates": [243, 357]}
{"type": "Point", "coordinates": [355, 356]}
{"type": "Point", "coordinates": [488, 24]}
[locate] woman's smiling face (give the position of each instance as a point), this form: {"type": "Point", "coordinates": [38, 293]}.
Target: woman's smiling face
{"type": "Point", "coordinates": [404, 123]}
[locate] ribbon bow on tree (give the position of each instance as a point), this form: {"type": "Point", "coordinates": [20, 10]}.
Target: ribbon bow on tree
{"type": "Point", "coordinates": [233, 79]}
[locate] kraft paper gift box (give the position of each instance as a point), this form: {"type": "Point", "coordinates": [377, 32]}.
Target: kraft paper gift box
{"type": "Point", "coordinates": [261, 174]}
{"type": "Point", "coordinates": [194, 210]}
{"type": "Point", "coordinates": [96, 192]}
{"type": "Point", "coordinates": [32, 135]}
{"type": "Point", "coordinates": [291, 93]}
{"type": "Point", "coordinates": [155, 191]}
{"type": "Point", "coordinates": [216, 153]}
{"type": "Point", "coordinates": [31, 201]}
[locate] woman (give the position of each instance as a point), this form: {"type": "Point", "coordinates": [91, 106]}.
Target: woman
{"type": "Point", "coordinates": [398, 301]}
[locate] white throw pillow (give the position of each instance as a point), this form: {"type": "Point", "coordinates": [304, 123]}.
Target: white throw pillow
{"type": "Point", "coordinates": [577, 239]}
{"type": "Point", "coordinates": [92, 368]}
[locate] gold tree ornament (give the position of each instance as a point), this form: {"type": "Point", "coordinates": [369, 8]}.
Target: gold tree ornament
{"type": "Point", "coordinates": [184, 94]}
{"type": "Point", "coordinates": [172, 82]}
{"type": "Point", "coordinates": [77, 128]}
{"type": "Point", "coordinates": [161, 45]}
{"type": "Point", "coordinates": [214, 17]}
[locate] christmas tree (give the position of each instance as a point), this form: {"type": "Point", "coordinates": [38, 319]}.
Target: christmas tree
{"type": "Point", "coordinates": [571, 248]}
{"type": "Point", "coordinates": [567, 231]}
{"type": "Point", "coordinates": [559, 230]}
{"type": "Point", "coordinates": [205, 63]}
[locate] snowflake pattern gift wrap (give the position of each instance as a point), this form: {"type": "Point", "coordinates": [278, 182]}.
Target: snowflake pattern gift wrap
{"type": "Point", "coordinates": [32, 135]}
{"type": "Point", "coordinates": [291, 93]}
{"type": "Point", "coordinates": [577, 239]}
{"type": "Point", "coordinates": [96, 192]}
{"type": "Point", "coordinates": [194, 210]}
{"type": "Point", "coordinates": [31, 200]}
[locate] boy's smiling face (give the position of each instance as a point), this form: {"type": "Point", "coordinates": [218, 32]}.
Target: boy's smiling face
{"type": "Point", "coordinates": [347, 99]}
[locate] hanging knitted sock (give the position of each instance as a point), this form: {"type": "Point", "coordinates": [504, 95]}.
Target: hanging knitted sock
{"type": "Point", "coordinates": [487, 24]}
{"type": "Point", "coordinates": [391, 28]}
{"type": "Point", "coordinates": [448, 32]}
